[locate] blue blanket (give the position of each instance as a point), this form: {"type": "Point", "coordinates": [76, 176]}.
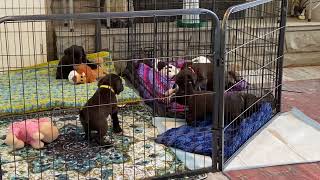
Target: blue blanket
{"type": "Point", "coordinates": [198, 139]}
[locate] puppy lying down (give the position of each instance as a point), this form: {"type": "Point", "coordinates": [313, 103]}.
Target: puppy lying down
{"type": "Point", "coordinates": [237, 105]}
{"type": "Point", "coordinates": [198, 81]}
{"type": "Point", "coordinates": [201, 103]}
{"type": "Point", "coordinates": [103, 103]}
{"type": "Point", "coordinates": [72, 56]}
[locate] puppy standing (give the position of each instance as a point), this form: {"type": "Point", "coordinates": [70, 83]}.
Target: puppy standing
{"type": "Point", "coordinates": [102, 104]}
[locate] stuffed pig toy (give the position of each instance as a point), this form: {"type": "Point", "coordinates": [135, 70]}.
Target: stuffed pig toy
{"type": "Point", "coordinates": [33, 132]}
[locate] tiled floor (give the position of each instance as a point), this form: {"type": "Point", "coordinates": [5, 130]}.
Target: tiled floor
{"type": "Point", "coordinates": [310, 171]}
{"type": "Point", "coordinates": [287, 139]}
{"type": "Point", "coordinates": [301, 73]}
{"type": "Point", "coordinates": [308, 101]}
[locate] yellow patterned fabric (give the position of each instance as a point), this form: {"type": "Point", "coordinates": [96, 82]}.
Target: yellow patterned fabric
{"type": "Point", "coordinates": [36, 89]}
{"type": "Point", "coordinates": [107, 64]}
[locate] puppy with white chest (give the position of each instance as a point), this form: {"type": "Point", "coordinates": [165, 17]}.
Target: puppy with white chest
{"type": "Point", "coordinates": [103, 103]}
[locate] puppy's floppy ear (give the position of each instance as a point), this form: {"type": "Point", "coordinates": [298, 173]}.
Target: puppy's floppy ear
{"type": "Point", "coordinates": [104, 81]}
{"type": "Point", "coordinates": [118, 86]}
{"type": "Point", "coordinates": [178, 78]}
{"type": "Point", "coordinates": [161, 65]}
{"type": "Point", "coordinates": [193, 77]}
{"type": "Point", "coordinates": [83, 52]}
{"type": "Point", "coordinates": [200, 76]}
{"type": "Point", "coordinates": [186, 65]}
{"type": "Point", "coordinates": [68, 51]}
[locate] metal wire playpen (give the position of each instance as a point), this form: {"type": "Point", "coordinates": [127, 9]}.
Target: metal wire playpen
{"type": "Point", "coordinates": [196, 87]}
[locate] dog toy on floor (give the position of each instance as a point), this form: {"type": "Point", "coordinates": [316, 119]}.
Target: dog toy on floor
{"type": "Point", "coordinates": [33, 132]}
{"type": "Point", "coordinates": [84, 74]}
{"type": "Point", "coordinates": [75, 78]}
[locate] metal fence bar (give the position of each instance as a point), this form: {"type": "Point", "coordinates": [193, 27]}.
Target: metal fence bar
{"type": "Point", "coordinates": [155, 13]}
{"type": "Point", "coordinates": [255, 36]}
{"type": "Point", "coordinates": [219, 48]}
{"type": "Point", "coordinates": [241, 7]}
{"type": "Point", "coordinates": [100, 15]}
{"type": "Point", "coordinates": [98, 30]}
{"type": "Point", "coordinates": [217, 130]}
{"type": "Point", "coordinates": [283, 20]}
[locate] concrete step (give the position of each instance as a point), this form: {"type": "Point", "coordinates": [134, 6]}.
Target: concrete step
{"type": "Point", "coordinates": [302, 43]}
{"type": "Point", "coordinates": [302, 59]}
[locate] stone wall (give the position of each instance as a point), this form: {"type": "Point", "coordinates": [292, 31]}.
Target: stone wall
{"type": "Point", "coordinates": [124, 42]}
{"type": "Point", "coordinates": [302, 45]}
{"type": "Point", "coordinates": [116, 40]}
{"type": "Point", "coordinates": [56, 29]}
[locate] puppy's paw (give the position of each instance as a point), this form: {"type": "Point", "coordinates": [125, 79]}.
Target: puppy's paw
{"type": "Point", "coordinates": [117, 129]}
{"type": "Point", "coordinates": [168, 100]}
{"type": "Point", "coordinates": [106, 144]}
{"type": "Point", "coordinates": [86, 137]}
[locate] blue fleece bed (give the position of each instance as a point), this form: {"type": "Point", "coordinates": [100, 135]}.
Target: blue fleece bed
{"type": "Point", "coordinates": [198, 139]}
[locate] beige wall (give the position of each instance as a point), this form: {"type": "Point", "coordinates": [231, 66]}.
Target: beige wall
{"type": "Point", "coordinates": [22, 44]}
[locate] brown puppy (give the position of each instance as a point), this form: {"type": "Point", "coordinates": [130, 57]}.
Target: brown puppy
{"type": "Point", "coordinates": [102, 104]}
{"type": "Point", "coordinates": [201, 103]}
{"type": "Point", "coordinates": [203, 74]}
{"type": "Point", "coordinates": [72, 56]}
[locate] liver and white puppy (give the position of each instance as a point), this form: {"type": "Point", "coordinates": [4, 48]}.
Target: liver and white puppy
{"type": "Point", "coordinates": [200, 74]}
{"type": "Point", "coordinates": [103, 103]}
{"type": "Point", "coordinates": [72, 56]}
{"type": "Point", "coordinates": [204, 75]}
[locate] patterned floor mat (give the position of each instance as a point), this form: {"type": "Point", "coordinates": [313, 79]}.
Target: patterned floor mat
{"type": "Point", "coordinates": [135, 155]}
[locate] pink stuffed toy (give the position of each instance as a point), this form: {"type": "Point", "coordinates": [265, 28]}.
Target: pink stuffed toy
{"type": "Point", "coordinates": [31, 131]}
